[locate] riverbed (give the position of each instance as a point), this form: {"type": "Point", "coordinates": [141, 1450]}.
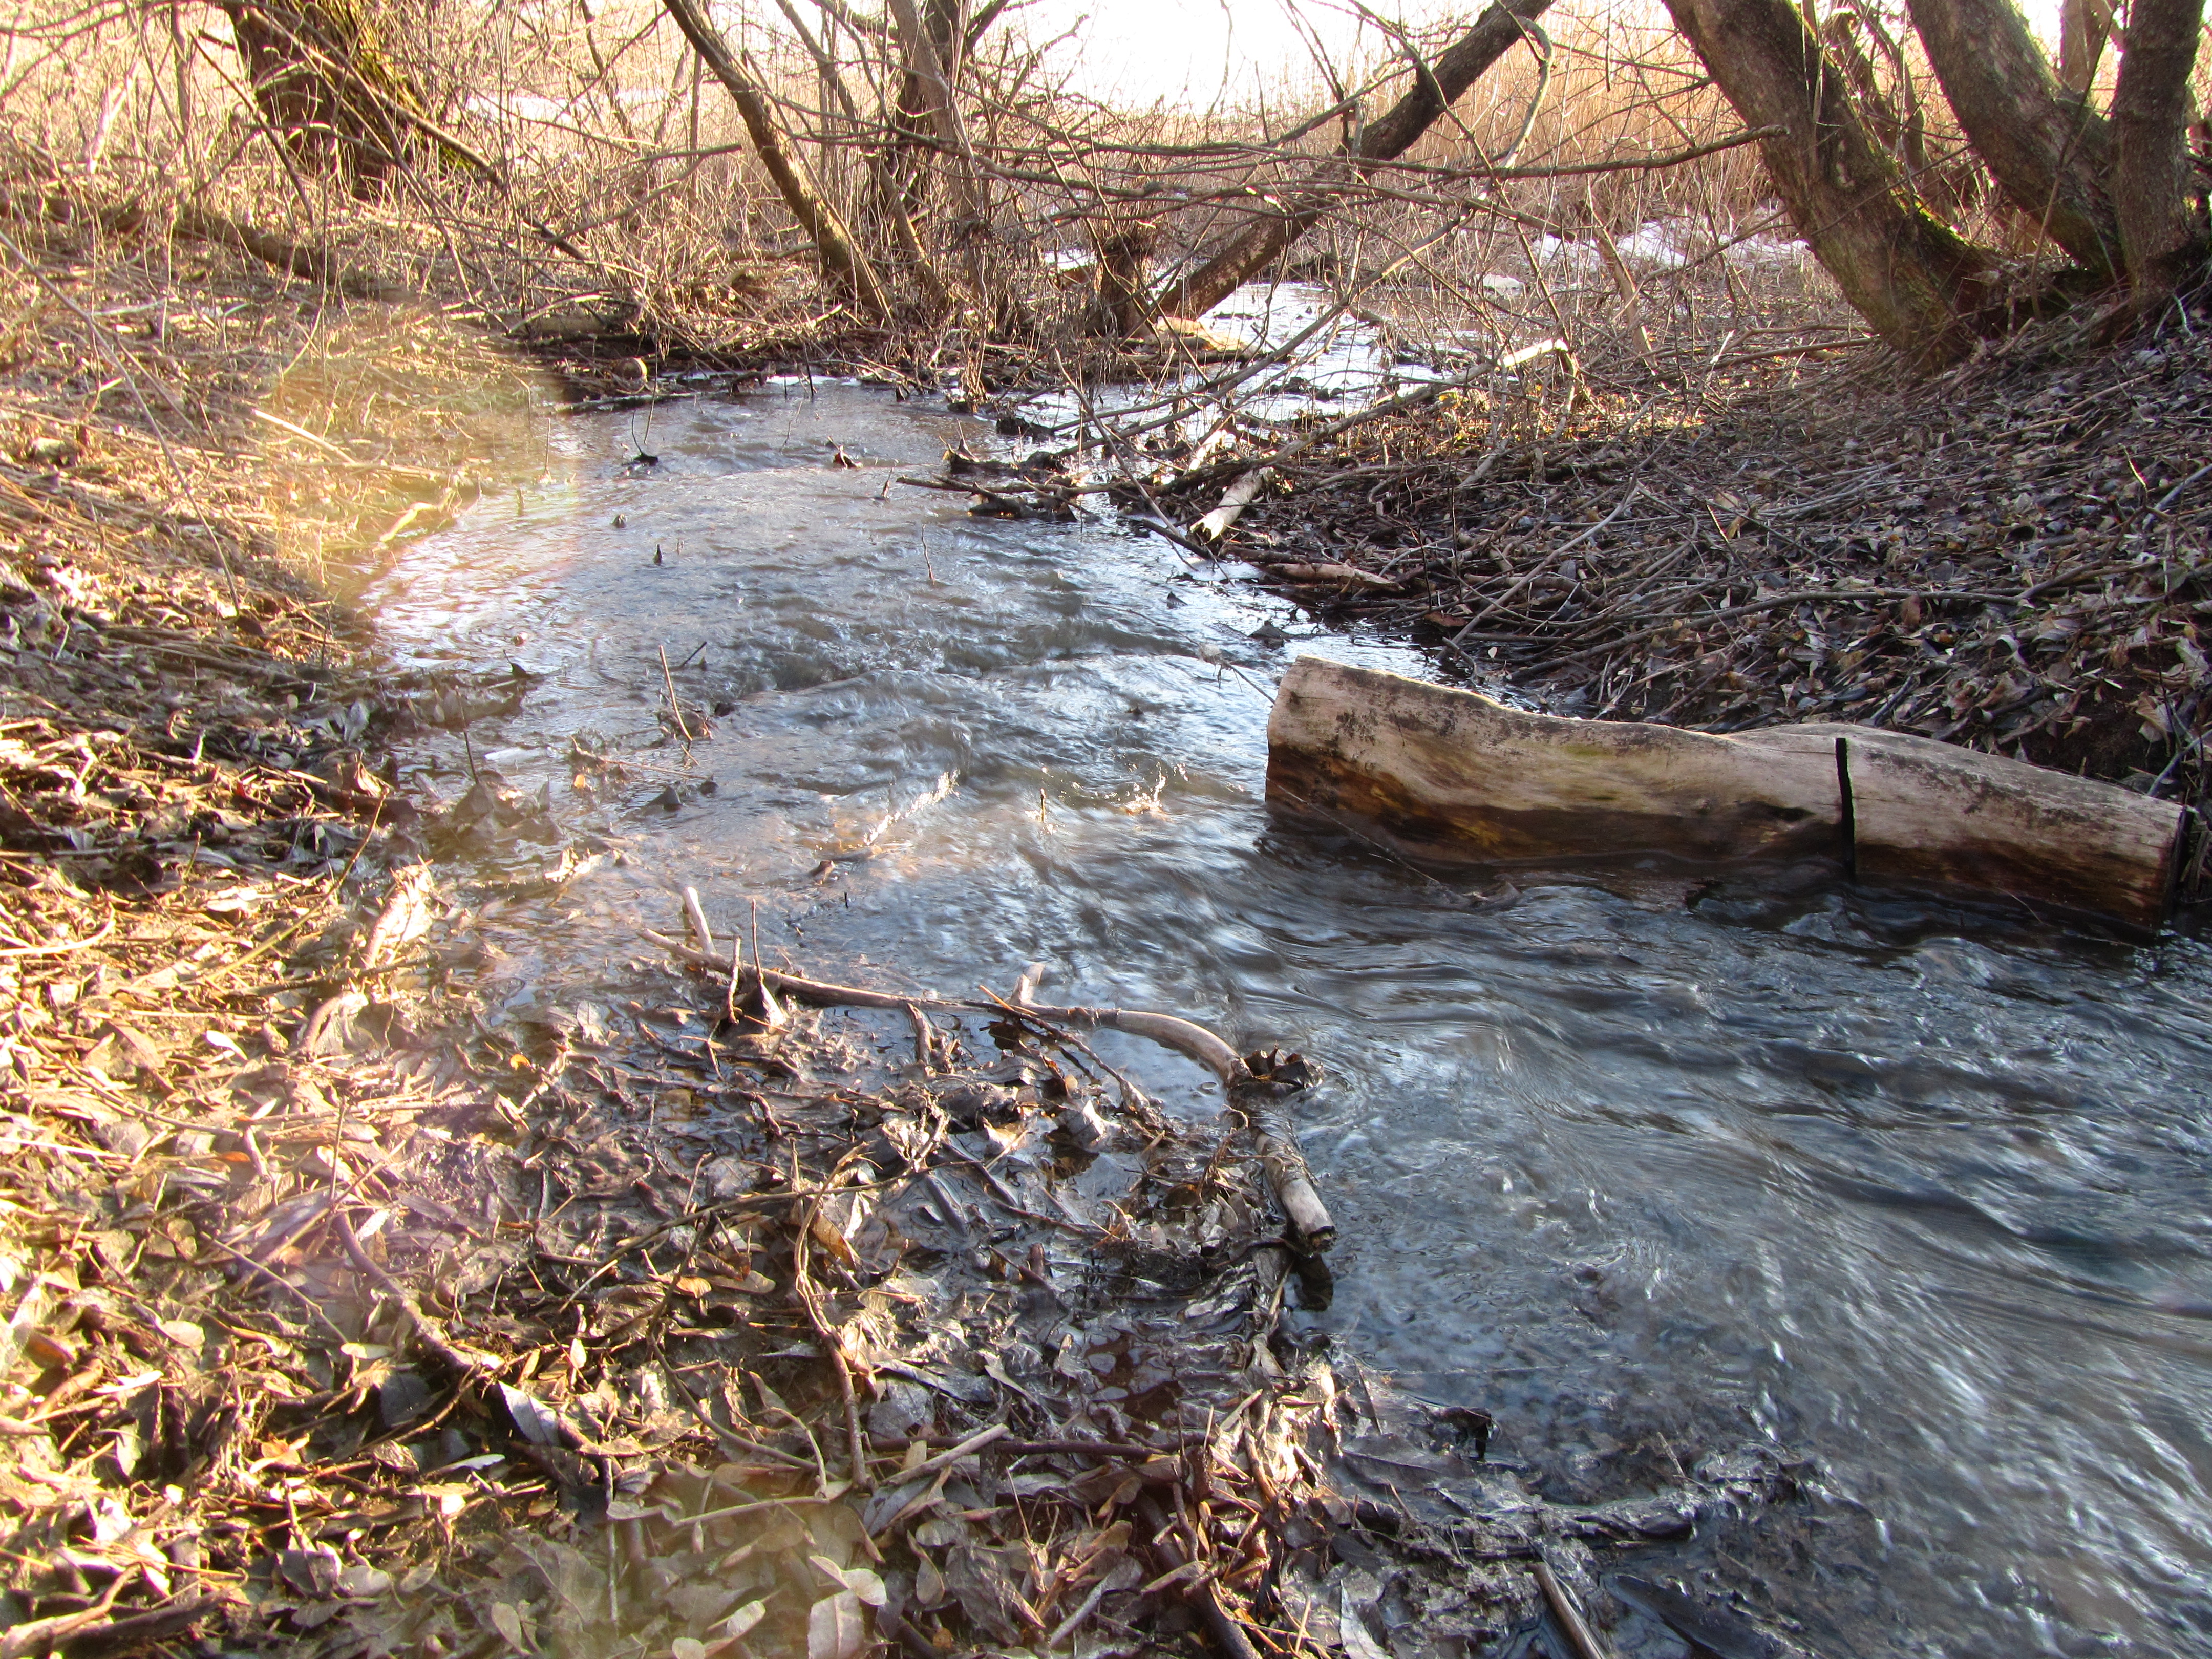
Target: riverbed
{"type": "Point", "coordinates": [1916, 1195]}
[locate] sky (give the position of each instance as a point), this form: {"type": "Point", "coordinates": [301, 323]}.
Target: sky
{"type": "Point", "coordinates": [1186, 51]}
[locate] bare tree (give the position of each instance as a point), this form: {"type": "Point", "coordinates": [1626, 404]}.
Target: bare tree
{"type": "Point", "coordinates": [324, 81]}
{"type": "Point", "coordinates": [847, 268]}
{"type": "Point", "coordinates": [1436, 88]}
{"type": "Point", "coordinates": [2113, 195]}
{"type": "Point", "coordinates": [1915, 280]}
{"type": "Point", "coordinates": [2150, 131]}
{"type": "Point", "coordinates": [2048, 149]}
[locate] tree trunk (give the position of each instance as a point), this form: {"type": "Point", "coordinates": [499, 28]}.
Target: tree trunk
{"type": "Point", "coordinates": [1917, 282]}
{"type": "Point", "coordinates": [1435, 89]}
{"type": "Point", "coordinates": [1121, 306]}
{"type": "Point", "coordinates": [911, 121]}
{"type": "Point", "coordinates": [2083, 27]}
{"type": "Point", "coordinates": [847, 268]}
{"type": "Point", "coordinates": [933, 59]}
{"type": "Point", "coordinates": [322, 80]}
{"type": "Point", "coordinates": [2048, 149]}
{"type": "Point", "coordinates": [2150, 153]}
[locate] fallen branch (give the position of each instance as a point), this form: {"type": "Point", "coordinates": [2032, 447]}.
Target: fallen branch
{"type": "Point", "coordinates": [427, 1332]}
{"type": "Point", "coordinates": [1254, 1085]}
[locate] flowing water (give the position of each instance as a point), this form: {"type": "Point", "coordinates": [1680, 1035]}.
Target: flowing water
{"type": "Point", "coordinates": [1917, 1194]}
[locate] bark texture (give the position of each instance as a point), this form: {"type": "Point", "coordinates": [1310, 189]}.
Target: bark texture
{"type": "Point", "coordinates": [1435, 89]}
{"type": "Point", "coordinates": [324, 81]}
{"type": "Point", "coordinates": [1454, 777]}
{"type": "Point", "coordinates": [2158, 231]}
{"type": "Point", "coordinates": [2084, 28]}
{"type": "Point", "coordinates": [2048, 149]}
{"type": "Point", "coordinates": [1121, 306]}
{"type": "Point", "coordinates": [847, 268]}
{"type": "Point", "coordinates": [1918, 283]}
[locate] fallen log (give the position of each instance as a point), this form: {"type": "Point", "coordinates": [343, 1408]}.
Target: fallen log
{"type": "Point", "coordinates": [1932, 813]}
{"type": "Point", "coordinates": [1457, 776]}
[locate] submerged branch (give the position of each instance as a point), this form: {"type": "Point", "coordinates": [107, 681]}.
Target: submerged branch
{"type": "Point", "coordinates": [1255, 1084]}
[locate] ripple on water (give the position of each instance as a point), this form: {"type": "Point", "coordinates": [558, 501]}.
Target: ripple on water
{"type": "Point", "coordinates": [1920, 1193]}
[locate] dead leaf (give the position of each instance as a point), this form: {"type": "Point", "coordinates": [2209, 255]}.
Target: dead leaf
{"type": "Point", "coordinates": [834, 1629]}
{"type": "Point", "coordinates": [537, 1423]}
{"type": "Point", "coordinates": [508, 1623]}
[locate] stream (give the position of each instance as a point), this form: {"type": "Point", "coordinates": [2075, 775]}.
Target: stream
{"type": "Point", "coordinates": [1916, 1194]}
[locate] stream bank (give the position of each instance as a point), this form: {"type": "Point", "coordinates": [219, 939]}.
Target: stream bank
{"type": "Point", "coordinates": [2013, 556]}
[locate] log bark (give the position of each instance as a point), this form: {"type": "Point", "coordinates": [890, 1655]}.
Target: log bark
{"type": "Point", "coordinates": [1932, 814]}
{"type": "Point", "coordinates": [1436, 88]}
{"type": "Point", "coordinates": [1452, 776]}
{"type": "Point", "coordinates": [2150, 156]}
{"type": "Point", "coordinates": [1921, 286]}
{"type": "Point", "coordinates": [847, 268]}
{"type": "Point", "coordinates": [2047, 147]}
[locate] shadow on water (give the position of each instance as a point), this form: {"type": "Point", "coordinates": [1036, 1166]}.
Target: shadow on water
{"type": "Point", "coordinates": [1918, 1194]}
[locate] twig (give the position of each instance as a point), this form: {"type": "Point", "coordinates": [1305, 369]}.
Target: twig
{"type": "Point", "coordinates": [1570, 1618]}
{"type": "Point", "coordinates": [675, 706]}
{"type": "Point", "coordinates": [428, 1331]}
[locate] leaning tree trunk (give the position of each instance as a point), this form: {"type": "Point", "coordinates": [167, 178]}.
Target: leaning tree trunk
{"type": "Point", "coordinates": [1435, 90]}
{"type": "Point", "coordinates": [847, 268]}
{"type": "Point", "coordinates": [1917, 282]}
{"type": "Point", "coordinates": [2150, 153]}
{"type": "Point", "coordinates": [322, 80]}
{"type": "Point", "coordinates": [2047, 147]}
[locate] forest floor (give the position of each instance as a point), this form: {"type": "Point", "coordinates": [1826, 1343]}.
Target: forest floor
{"type": "Point", "coordinates": [2011, 555]}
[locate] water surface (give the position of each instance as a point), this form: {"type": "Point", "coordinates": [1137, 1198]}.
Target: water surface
{"type": "Point", "coordinates": [1917, 1194]}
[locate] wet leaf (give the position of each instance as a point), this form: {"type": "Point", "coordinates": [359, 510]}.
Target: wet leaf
{"type": "Point", "coordinates": [508, 1623]}
{"type": "Point", "coordinates": [532, 1420]}
{"type": "Point", "coordinates": [834, 1629]}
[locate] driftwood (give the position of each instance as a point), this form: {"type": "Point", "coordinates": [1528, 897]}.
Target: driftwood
{"type": "Point", "coordinates": [1255, 1084]}
{"type": "Point", "coordinates": [1454, 775]}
